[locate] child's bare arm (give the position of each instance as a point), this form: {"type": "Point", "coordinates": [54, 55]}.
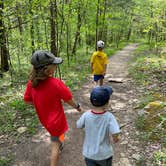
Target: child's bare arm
{"type": "Point", "coordinates": [115, 137]}
{"type": "Point", "coordinates": [91, 66]}
{"type": "Point", "coordinates": [105, 68]}
{"type": "Point", "coordinates": [74, 105]}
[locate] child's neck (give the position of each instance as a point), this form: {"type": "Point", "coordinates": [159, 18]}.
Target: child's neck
{"type": "Point", "coordinates": [99, 110]}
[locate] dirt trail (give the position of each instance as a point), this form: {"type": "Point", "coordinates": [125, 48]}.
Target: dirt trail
{"type": "Point", "coordinates": [35, 151]}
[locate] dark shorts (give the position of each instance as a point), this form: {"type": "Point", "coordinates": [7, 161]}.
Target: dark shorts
{"type": "Point", "coordinates": [106, 162]}
{"type": "Point", "coordinates": [98, 77]}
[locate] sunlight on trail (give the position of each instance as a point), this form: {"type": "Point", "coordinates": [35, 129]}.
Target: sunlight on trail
{"type": "Point", "coordinates": [69, 111]}
{"type": "Point", "coordinates": [42, 136]}
{"type": "Point", "coordinates": [24, 163]}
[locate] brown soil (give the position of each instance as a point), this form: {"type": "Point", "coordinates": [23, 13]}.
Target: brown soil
{"type": "Point", "coordinates": [36, 151]}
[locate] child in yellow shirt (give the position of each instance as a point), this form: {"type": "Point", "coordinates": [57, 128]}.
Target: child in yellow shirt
{"type": "Point", "coordinates": [99, 63]}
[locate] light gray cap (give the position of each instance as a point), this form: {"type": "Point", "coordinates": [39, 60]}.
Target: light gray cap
{"type": "Point", "coordinates": [100, 44]}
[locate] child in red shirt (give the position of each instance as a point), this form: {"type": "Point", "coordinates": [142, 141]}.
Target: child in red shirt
{"type": "Point", "coordinates": [46, 94]}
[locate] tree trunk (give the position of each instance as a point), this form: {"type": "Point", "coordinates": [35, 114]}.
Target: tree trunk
{"type": "Point", "coordinates": [97, 22]}
{"type": "Point", "coordinates": [129, 34]}
{"type": "Point", "coordinates": [32, 27]}
{"type": "Point", "coordinates": [68, 36]}
{"type": "Point", "coordinates": [102, 33]}
{"type": "Point", "coordinates": [67, 45]}
{"type": "Point", "coordinates": [77, 35]}
{"type": "Point", "coordinates": [61, 27]}
{"type": "Point", "coordinates": [3, 43]}
{"type": "Point", "coordinates": [54, 31]}
{"type": "Point", "coordinates": [53, 14]}
{"type": "Point", "coordinates": [19, 19]}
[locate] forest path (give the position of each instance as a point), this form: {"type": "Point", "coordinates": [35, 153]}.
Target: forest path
{"type": "Point", "coordinates": [36, 151]}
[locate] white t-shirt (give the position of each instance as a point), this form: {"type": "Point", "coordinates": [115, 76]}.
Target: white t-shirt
{"type": "Point", "coordinates": [98, 128]}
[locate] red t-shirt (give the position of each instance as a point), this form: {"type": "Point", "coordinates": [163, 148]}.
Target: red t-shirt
{"type": "Point", "coordinates": [47, 99]}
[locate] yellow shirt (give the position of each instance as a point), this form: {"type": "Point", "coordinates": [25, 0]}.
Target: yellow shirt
{"type": "Point", "coordinates": [98, 61]}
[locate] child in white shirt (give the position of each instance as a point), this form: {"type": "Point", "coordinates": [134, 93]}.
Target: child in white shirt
{"type": "Point", "coordinates": [99, 125]}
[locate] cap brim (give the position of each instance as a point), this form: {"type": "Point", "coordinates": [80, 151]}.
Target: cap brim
{"type": "Point", "coordinates": [57, 61]}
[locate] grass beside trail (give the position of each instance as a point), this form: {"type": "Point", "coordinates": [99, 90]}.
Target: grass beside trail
{"type": "Point", "coordinates": [149, 72]}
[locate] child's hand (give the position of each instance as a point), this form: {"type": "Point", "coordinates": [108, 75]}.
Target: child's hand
{"type": "Point", "coordinates": [78, 107]}
{"type": "Point", "coordinates": [104, 73]}
{"type": "Point", "coordinates": [115, 138]}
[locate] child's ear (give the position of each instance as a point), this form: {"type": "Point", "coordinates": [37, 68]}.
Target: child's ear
{"type": "Point", "coordinates": [51, 71]}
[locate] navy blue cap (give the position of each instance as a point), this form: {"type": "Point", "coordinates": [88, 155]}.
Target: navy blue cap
{"type": "Point", "coordinates": [100, 95]}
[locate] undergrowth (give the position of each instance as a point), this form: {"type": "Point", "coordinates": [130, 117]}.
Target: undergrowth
{"type": "Point", "coordinates": [149, 72]}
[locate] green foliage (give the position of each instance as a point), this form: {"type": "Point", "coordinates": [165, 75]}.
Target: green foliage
{"type": "Point", "coordinates": [152, 126]}
{"type": "Point", "coordinates": [159, 158]}
{"type": "Point", "coordinates": [150, 130]}
{"type": "Point", "coordinates": [26, 115]}
{"type": "Point", "coordinates": [140, 122]}
{"type": "Point", "coordinates": [18, 105]}
{"type": "Point", "coordinates": [148, 68]}
{"type": "Point", "coordinates": [152, 121]}
{"type": "Point", "coordinates": [145, 99]}
{"type": "Point", "coordinates": [142, 47]}
{"type": "Point", "coordinates": [149, 20]}
{"type": "Point", "coordinates": [17, 115]}
{"type": "Point", "coordinates": [78, 70]}
{"type": "Point", "coordinates": [5, 162]}
{"type": "Point", "coordinates": [112, 49]}
{"type": "Point", "coordinates": [113, 27]}
{"type": "Point", "coordinates": [163, 120]}
{"type": "Point", "coordinates": [7, 119]}
{"type": "Point", "coordinates": [141, 161]}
